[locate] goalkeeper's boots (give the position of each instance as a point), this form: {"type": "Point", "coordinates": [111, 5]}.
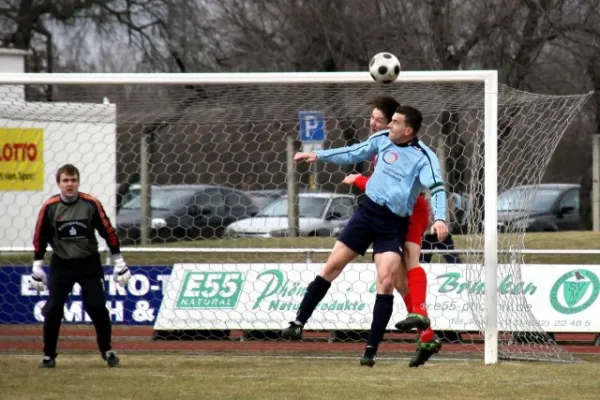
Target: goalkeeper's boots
{"type": "Point", "coordinates": [424, 351]}
{"type": "Point", "coordinates": [111, 358]}
{"type": "Point", "coordinates": [48, 362]}
{"type": "Point", "coordinates": [294, 331]}
{"type": "Point", "coordinates": [413, 321]}
{"type": "Point", "coordinates": [369, 357]}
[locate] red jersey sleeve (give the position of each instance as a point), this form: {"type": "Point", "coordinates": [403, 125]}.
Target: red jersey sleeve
{"type": "Point", "coordinates": [361, 182]}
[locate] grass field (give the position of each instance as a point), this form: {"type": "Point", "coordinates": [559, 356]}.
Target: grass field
{"type": "Point", "coordinates": [545, 240]}
{"type": "Point", "coordinates": [202, 377]}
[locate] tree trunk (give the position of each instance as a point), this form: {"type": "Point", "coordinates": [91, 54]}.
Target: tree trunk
{"type": "Point", "coordinates": [585, 192]}
{"type": "Point", "coordinates": [585, 201]}
{"type": "Point", "coordinates": [455, 162]}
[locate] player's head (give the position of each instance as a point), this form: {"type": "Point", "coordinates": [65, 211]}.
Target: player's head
{"type": "Point", "coordinates": [383, 110]}
{"type": "Point", "coordinates": [405, 124]}
{"type": "Point", "coordinates": [67, 179]}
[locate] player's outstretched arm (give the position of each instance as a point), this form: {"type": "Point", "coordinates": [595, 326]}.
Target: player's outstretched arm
{"type": "Point", "coordinates": [308, 157]}
{"type": "Point", "coordinates": [352, 154]}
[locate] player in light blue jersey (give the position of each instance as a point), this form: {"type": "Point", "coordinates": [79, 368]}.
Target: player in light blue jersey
{"type": "Point", "coordinates": [404, 171]}
{"type": "Point", "coordinates": [405, 167]}
{"type": "Point", "coordinates": [410, 279]}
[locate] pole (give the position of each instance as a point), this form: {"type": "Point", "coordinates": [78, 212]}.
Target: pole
{"type": "Point", "coordinates": [314, 183]}
{"type": "Point", "coordinates": [441, 153]}
{"type": "Point", "coordinates": [491, 218]}
{"type": "Point", "coordinates": [145, 190]}
{"type": "Point", "coordinates": [292, 189]}
{"type": "Point", "coordinates": [596, 182]}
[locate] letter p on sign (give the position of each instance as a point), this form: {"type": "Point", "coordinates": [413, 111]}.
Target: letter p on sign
{"type": "Point", "coordinates": [312, 126]}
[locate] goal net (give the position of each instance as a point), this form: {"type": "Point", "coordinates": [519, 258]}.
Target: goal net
{"type": "Point", "coordinates": [196, 181]}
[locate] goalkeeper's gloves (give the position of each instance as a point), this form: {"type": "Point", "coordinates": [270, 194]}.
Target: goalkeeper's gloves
{"type": "Point", "coordinates": [121, 273]}
{"type": "Point", "coordinates": [39, 280]}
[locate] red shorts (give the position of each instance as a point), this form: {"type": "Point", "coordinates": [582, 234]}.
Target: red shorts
{"type": "Point", "coordinates": [418, 221]}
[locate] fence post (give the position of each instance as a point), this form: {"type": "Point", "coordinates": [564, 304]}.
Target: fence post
{"type": "Point", "coordinates": [596, 182]}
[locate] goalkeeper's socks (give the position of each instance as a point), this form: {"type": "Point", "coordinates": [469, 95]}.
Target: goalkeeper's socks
{"type": "Point", "coordinates": [417, 284]}
{"type": "Point", "coordinates": [315, 292]}
{"type": "Point", "coordinates": [408, 303]}
{"type": "Point", "coordinates": [382, 312]}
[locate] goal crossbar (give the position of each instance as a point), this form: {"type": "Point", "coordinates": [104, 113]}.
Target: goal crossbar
{"type": "Point", "coordinates": [244, 77]}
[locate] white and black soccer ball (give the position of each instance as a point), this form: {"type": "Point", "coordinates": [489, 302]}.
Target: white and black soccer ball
{"type": "Point", "coordinates": [384, 67]}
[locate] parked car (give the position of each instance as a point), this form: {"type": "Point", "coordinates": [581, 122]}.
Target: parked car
{"type": "Point", "coordinates": [133, 190]}
{"type": "Point", "coordinates": [263, 197]}
{"type": "Point", "coordinates": [319, 214]}
{"type": "Point", "coordinates": [130, 192]}
{"type": "Point", "coordinates": [536, 208]}
{"type": "Point", "coordinates": [185, 212]}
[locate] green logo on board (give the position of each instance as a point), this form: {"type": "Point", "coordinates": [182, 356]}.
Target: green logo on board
{"type": "Point", "coordinates": [575, 291]}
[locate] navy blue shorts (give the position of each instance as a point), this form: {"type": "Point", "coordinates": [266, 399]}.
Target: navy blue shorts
{"type": "Point", "coordinates": [376, 225]}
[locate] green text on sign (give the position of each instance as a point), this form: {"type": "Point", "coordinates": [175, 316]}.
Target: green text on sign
{"type": "Point", "coordinates": [210, 290]}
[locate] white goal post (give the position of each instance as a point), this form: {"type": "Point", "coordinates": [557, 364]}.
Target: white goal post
{"type": "Point", "coordinates": [487, 78]}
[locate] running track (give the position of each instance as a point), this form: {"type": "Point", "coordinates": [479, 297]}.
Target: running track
{"type": "Point", "coordinates": [128, 338]}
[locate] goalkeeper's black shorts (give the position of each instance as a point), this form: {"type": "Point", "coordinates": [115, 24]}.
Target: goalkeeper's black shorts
{"type": "Point", "coordinates": [87, 272]}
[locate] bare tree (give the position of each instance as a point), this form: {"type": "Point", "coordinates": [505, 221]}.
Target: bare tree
{"type": "Point", "coordinates": [520, 38]}
{"type": "Point", "coordinates": [167, 34]}
{"type": "Point", "coordinates": [517, 46]}
{"type": "Point", "coordinates": [581, 51]}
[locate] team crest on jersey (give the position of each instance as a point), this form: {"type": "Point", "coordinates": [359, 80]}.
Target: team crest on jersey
{"type": "Point", "coordinates": [389, 157]}
{"type": "Point", "coordinates": [72, 230]}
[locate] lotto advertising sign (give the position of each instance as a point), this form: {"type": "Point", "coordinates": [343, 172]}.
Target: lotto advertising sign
{"type": "Point", "coordinates": [36, 138]}
{"type": "Point", "coordinates": [559, 298]}
{"type": "Point", "coordinates": [21, 159]}
{"type": "Point", "coordinates": [135, 304]}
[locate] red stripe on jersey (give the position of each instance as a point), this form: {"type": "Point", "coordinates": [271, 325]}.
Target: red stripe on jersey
{"type": "Point", "coordinates": [37, 244]}
{"type": "Point", "coordinates": [110, 231]}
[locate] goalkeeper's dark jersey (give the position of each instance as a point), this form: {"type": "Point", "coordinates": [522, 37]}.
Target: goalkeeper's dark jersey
{"type": "Point", "coordinates": [69, 228]}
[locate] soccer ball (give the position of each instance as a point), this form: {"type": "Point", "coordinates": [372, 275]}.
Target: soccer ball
{"type": "Point", "coordinates": [384, 67]}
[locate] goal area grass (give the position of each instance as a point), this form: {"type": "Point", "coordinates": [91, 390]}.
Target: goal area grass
{"type": "Point", "coordinates": [170, 377]}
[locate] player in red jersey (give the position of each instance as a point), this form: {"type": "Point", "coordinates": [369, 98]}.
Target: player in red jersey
{"type": "Point", "coordinates": [410, 279]}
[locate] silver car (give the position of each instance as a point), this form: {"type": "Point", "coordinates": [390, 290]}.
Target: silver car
{"type": "Point", "coordinates": [320, 214]}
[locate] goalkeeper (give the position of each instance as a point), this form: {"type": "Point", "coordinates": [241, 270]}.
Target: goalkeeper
{"type": "Point", "coordinates": [68, 221]}
{"type": "Point", "coordinates": [406, 166]}
{"type": "Point", "coordinates": [410, 277]}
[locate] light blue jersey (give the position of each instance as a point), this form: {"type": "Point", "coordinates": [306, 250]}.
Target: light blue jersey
{"type": "Point", "coordinates": [402, 172]}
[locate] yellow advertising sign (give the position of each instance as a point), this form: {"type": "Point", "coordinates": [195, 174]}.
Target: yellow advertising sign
{"type": "Point", "coordinates": [21, 159]}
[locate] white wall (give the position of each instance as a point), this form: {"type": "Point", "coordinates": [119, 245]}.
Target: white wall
{"type": "Point", "coordinates": [76, 133]}
{"type": "Point", "coordinates": [82, 134]}
{"type": "Point", "coordinates": [12, 60]}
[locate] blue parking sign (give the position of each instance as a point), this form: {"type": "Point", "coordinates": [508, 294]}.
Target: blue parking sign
{"type": "Point", "coordinates": [312, 126]}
